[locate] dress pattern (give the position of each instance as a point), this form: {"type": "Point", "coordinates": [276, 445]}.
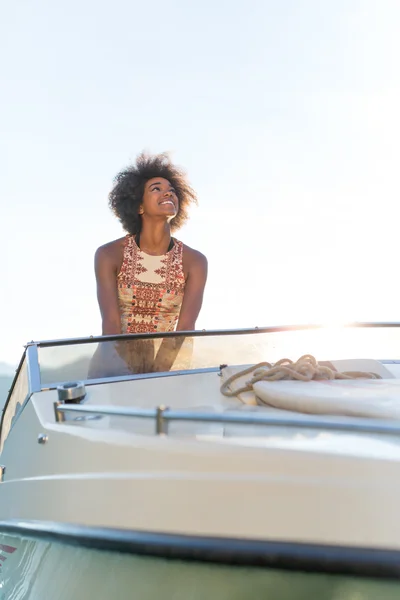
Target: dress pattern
{"type": "Point", "coordinates": [150, 289]}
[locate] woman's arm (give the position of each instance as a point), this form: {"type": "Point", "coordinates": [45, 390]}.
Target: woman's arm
{"type": "Point", "coordinates": [107, 296]}
{"type": "Point", "coordinates": [194, 290]}
{"type": "Point", "coordinates": [192, 300]}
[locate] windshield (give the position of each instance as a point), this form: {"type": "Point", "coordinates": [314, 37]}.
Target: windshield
{"type": "Point", "coordinates": [134, 356]}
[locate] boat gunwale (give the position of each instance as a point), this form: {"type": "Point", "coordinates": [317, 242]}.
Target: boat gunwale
{"type": "Point", "coordinates": [368, 563]}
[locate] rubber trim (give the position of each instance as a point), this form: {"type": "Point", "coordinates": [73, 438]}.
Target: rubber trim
{"type": "Point", "coordinates": [293, 556]}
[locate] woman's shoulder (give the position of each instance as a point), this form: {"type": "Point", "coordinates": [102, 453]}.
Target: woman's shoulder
{"type": "Point", "coordinates": [192, 256]}
{"type": "Point", "coordinates": [111, 252]}
{"type": "Point", "coordinates": [113, 246]}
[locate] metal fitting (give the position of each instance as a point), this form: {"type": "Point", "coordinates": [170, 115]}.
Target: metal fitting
{"type": "Point", "coordinates": [72, 392]}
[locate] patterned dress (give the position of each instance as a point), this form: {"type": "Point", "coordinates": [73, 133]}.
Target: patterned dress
{"type": "Point", "coordinates": [150, 289]}
{"type": "Point", "coordinates": [150, 294]}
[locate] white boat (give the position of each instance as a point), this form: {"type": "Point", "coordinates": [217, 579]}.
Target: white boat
{"type": "Point", "coordinates": [126, 480]}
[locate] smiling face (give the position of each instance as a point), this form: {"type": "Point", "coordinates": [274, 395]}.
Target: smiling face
{"type": "Point", "coordinates": [159, 199]}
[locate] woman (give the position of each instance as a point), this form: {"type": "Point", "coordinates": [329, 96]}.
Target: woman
{"type": "Point", "coordinates": [148, 281]}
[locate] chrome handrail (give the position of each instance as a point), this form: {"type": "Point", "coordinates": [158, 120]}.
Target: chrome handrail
{"type": "Point", "coordinates": [163, 415]}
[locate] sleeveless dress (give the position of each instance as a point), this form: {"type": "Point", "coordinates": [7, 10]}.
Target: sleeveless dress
{"type": "Point", "coordinates": [150, 295]}
{"type": "Point", "coordinates": [150, 288]}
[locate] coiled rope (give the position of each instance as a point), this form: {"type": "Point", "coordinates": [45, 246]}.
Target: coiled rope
{"type": "Point", "coordinates": [305, 369]}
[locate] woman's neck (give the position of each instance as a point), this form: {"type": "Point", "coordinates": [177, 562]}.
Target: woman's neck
{"type": "Point", "coordinates": [155, 239]}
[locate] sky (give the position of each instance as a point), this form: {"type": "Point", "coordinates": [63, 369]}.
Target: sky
{"type": "Point", "coordinates": [284, 114]}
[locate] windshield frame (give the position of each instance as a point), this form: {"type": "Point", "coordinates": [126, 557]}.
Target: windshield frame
{"type": "Point", "coordinates": [207, 332]}
{"type": "Point", "coordinates": [32, 349]}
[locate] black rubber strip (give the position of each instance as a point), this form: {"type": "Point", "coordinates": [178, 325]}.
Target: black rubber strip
{"type": "Point", "coordinates": [294, 556]}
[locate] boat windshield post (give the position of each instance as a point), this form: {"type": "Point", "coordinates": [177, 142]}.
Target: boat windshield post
{"type": "Point", "coordinates": [32, 361]}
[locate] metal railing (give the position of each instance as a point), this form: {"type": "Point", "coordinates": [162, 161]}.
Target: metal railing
{"type": "Point", "coordinates": [163, 415]}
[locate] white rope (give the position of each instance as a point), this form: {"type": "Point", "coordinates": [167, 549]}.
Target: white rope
{"type": "Point", "coordinates": [305, 369]}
